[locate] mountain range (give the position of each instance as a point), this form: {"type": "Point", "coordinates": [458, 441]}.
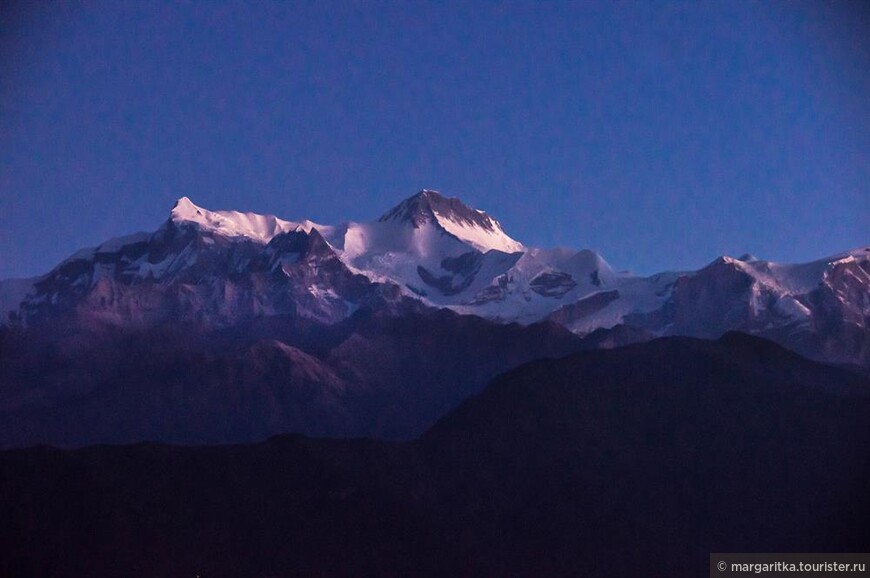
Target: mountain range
{"type": "Point", "coordinates": [224, 327]}
{"type": "Point", "coordinates": [218, 269]}
{"type": "Point", "coordinates": [235, 394]}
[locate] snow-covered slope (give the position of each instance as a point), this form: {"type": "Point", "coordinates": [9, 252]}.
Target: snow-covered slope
{"type": "Point", "coordinates": [261, 228]}
{"type": "Point", "coordinates": [223, 266]}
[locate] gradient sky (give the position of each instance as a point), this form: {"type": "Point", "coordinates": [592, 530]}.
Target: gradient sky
{"type": "Point", "coordinates": [659, 134]}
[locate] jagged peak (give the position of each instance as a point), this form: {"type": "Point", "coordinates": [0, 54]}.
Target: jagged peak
{"type": "Point", "coordinates": [428, 204]}
{"type": "Point", "coordinates": [455, 217]}
{"type": "Point", "coordinates": [184, 209]}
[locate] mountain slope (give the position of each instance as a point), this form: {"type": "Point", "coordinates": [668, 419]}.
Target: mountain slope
{"type": "Point", "coordinates": [654, 455]}
{"type": "Point", "coordinates": [211, 271]}
{"type": "Point", "coordinates": [820, 309]}
{"type": "Point", "coordinates": [633, 461]}
{"type": "Point", "coordinates": [376, 374]}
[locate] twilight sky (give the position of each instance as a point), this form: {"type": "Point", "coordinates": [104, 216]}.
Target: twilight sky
{"type": "Point", "coordinates": [659, 134]}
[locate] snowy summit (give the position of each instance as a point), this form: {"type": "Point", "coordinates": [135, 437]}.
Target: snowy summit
{"type": "Point", "coordinates": [233, 223]}
{"type": "Point", "coordinates": [470, 225]}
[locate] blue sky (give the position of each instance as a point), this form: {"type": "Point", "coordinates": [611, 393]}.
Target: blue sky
{"type": "Point", "coordinates": [659, 134]}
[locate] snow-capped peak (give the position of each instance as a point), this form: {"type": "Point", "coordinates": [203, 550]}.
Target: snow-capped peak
{"type": "Point", "coordinates": [233, 223]}
{"type": "Point", "coordinates": [473, 226]}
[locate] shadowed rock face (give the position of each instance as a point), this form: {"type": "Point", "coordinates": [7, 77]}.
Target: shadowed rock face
{"type": "Point", "coordinates": [595, 302]}
{"type": "Point", "coordinates": [712, 302]}
{"type": "Point", "coordinates": [602, 463]}
{"type": "Point", "coordinates": [466, 264]}
{"type": "Point", "coordinates": [552, 284]}
{"type": "Point", "coordinates": [841, 316]}
{"type": "Point", "coordinates": [492, 293]}
{"type": "Point", "coordinates": [460, 275]}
